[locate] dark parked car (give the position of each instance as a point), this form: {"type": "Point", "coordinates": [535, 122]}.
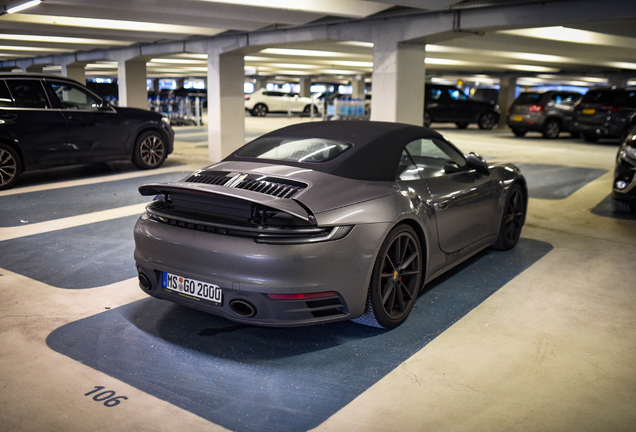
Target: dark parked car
{"type": "Point", "coordinates": [445, 103]}
{"type": "Point", "coordinates": [549, 112]}
{"type": "Point", "coordinates": [605, 113]}
{"type": "Point", "coordinates": [49, 120]}
{"type": "Point", "coordinates": [325, 221]}
{"type": "Point", "coordinates": [624, 192]}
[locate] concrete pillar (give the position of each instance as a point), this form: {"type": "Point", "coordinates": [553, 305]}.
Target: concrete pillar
{"type": "Point", "coordinates": [357, 88]}
{"type": "Point", "coordinates": [507, 94]}
{"type": "Point", "coordinates": [226, 104]}
{"type": "Point", "coordinates": [619, 79]}
{"type": "Point", "coordinates": [155, 84]}
{"type": "Point", "coordinates": [398, 82]}
{"type": "Point", "coordinates": [305, 87]}
{"type": "Point", "coordinates": [35, 68]}
{"type": "Point", "coordinates": [76, 71]}
{"type": "Point", "coordinates": [132, 83]}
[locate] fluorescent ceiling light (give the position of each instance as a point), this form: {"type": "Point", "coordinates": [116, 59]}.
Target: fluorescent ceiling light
{"type": "Point", "coordinates": [179, 61]}
{"type": "Point", "coordinates": [305, 53]}
{"type": "Point", "coordinates": [61, 39]}
{"type": "Point", "coordinates": [21, 7]}
{"type": "Point", "coordinates": [28, 48]}
{"type": "Point", "coordinates": [564, 34]}
{"type": "Point", "coordinates": [353, 63]}
{"type": "Point", "coordinates": [137, 26]}
{"type": "Point", "coordinates": [349, 8]}
{"type": "Point", "coordinates": [358, 44]}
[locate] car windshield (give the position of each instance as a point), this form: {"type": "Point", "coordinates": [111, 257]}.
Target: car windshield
{"type": "Point", "coordinates": [601, 96]}
{"type": "Point", "coordinates": [294, 149]}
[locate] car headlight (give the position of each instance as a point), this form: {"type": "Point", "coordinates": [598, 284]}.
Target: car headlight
{"type": "Point", "coordinates": [165, 120]}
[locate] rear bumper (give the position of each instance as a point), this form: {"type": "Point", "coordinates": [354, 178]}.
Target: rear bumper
{"type": "Point", "coordinates": [247, 271]}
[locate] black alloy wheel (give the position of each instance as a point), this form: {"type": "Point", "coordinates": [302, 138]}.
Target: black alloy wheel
{"type": "Point", "coordinates": [551, 129]}
{"type": "Point", "coordinates": [395, 281]}
{"type": "Point", "coordinates": [150, 151]}
{"type": "Point", "coordinates": [259, 110]}
{"type": "Point", "coordinates": [487, 120]}
{"type": "Point", "coordinates": [9, 167]}
{"type": "Point", "coordinates": [514, 216]}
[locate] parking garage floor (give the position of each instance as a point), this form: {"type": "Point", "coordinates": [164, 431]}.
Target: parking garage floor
{"type": "Point", "coordinates": [540, 338]}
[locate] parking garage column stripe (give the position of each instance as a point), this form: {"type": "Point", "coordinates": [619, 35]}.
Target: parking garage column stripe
{"type": "Point", "coordinates": [70, 222]}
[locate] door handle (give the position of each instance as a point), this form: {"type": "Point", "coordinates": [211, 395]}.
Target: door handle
{"type": "Point", "coordinates": [443, 204]}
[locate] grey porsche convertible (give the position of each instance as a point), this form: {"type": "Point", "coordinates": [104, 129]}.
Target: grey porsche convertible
{"type": "Point", "coordinates": [325, 221]}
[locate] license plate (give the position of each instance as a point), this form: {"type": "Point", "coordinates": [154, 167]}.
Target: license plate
{"type": "Point", "coordinates": [517, 118]}
{"type": "Point", "coordinates": [192, 288]}
{"type": "Point", "coordinates": [589, 111]}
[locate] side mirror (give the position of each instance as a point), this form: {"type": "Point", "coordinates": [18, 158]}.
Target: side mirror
{"type": "Point", "coordinates": [105, 106]}
{"type": "Point", "coordinates": [451, 167]}
{"type": "Point", "coordinates": [478, 163]}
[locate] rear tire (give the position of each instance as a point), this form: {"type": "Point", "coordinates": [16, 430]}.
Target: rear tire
{"type": "Point", "coordinates": [551, 129]}
{"type": "Point", "coordinates": [10, 167]}
{"type": "Point", "coordinates": [514, 216]}
{"type": "Point", "coordinates": [150, 151]}
{"type": "Point", "coordinates": [259, 110]}
{"type": "Point", "coordinates": [487, 121]}
{"type": "Point", "coordinates": [395, 281]}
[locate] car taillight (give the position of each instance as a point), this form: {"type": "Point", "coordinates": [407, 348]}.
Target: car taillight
{"type": "Point", "coordinates": [536, 108]}
{"type": "Point", "coordinates": [609, 108]}
{"type": "Point", "coordinates": [247, 98]}
{"type": "Point", "coordinates": [306, 296]}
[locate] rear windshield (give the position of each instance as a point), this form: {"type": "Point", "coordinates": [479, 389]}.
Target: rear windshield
{"type": "Point", "coordinates": [601, 96]}
{"type": "Point", "coordinates": [528, 98]}
{"type": "Point", "coordinates": [294, 149]}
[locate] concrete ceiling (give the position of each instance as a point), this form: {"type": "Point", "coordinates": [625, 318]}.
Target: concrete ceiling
{"type": "Point", "coordinates": [581, 54]}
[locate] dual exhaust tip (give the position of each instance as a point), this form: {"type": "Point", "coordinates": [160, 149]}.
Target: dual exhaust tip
{"type": "Point", "coordinates": [242, 308]}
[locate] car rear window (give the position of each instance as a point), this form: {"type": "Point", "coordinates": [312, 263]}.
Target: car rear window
{"type": "Point", "coordinates": [28, 93]}
{"type": "Point", "coordinates": [294, 149]}
{"type": "Point", "coordinates": [601, 96]}
{"type": "Point", "coordinates": [528, 98]}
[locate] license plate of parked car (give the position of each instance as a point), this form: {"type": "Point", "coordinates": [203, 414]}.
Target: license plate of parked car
{"type": "Point", "coordinates": [517, 118]}
{"type": "Point", "coordinates": [191, 287]}
{"type": "Point", "coordinates": [589, 111]}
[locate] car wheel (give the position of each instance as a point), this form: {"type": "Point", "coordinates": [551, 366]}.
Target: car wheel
{"type": "Point", "coordinates": [10, 167]}
{"type": "Point", "coordinates": [259, 110]}
{"type": "Point", "coordinates": [514, 216]}
{"type": "Point", "coordinates": [150, 151]}
{"type": "Point", "coordinates": [519, 132]}
{"type": "Point", "coordinates": [427, 119]}
{"type": "Point", "coordinates": [590, 137]}
{"type": "Point", "coordinates": [395, 281]}
{"type": "Point", "coordinates": [619, 206]}
{"type": "Point", "coordinates": [487, 120]}
{"type": "Point", "coordinates": [461, 125]}
{"type": "Point", "coordinates": [551, 129]}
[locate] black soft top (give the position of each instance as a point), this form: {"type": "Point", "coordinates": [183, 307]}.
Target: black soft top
{"type": "Point", "coordinates": [375, 155]}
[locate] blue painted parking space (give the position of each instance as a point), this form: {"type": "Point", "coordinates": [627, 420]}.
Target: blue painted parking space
{"type": "Point", "coordinates": [86, 256]}
{"type": "Point", "coordinates": [34, 207]}
{"type": "Point", "coordinates": [248, 378]}
{"type": "Point", "coordinates": [555, 181]}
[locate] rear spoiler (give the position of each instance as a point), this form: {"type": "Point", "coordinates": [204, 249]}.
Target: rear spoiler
{"type": "Point", "coordinates": [290, 206]}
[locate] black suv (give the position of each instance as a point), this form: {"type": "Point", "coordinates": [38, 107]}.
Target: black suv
{"type": "Point", "coordinates": [49, 120]}
{"type": "Point", "coordinates": [445, 103]}
{"type": "Point", "coordinates": [624, 191]}
{"type": "Point", "coordinates": [549, 112]}
{"type": "Point", "coordinates": [605, 113]}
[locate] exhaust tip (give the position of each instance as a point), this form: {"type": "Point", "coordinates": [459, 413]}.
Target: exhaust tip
{"type": "Point", "coordinates": [144, 282]}
{"type": "Point", "coordinates": [243, 308]}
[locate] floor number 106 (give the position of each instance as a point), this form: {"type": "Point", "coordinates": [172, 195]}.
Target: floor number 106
{"type": "Point", "coordinates": [108, 397]}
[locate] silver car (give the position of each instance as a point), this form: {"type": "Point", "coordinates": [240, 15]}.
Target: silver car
{"type": "Point", "coordinates": [325, 221]}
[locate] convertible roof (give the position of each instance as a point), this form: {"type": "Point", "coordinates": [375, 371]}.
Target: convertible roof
{"type": "Point", "coordinates": [374, 156]}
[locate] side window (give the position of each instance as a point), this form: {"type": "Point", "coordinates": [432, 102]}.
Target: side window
{"type": "Point", "coordinates": [558, 99]}
{"type": "Point", "coordinates": [28, 93]}
{"type": "Point", "coordinates": [75, 98]}
{"type": "Point", "coordinates": [431, 154]}
{"type": "Point", "coordinates": [456, 94]}
{"type": "Point", "coordinates": [6, 100]}
{"type": "Point", "coordinates": [408, 170]}
{"type": "Point", "coordinates": [435, 93]}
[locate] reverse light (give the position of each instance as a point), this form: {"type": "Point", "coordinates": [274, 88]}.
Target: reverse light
{"type": "Point", "coordinates": [307, 296]}
{"type": "Point", "coordinates": [536, 108]}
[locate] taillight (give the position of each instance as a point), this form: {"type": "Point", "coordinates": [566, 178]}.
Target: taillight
{"type": "Point", "coordinates": [306, 296]}
{"type": "Point", "coordinates": [609, 108]}
{"type": "Point", "coordinates": [247, 98]}
{"type": "Point", "coordinates": [536, 108]}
